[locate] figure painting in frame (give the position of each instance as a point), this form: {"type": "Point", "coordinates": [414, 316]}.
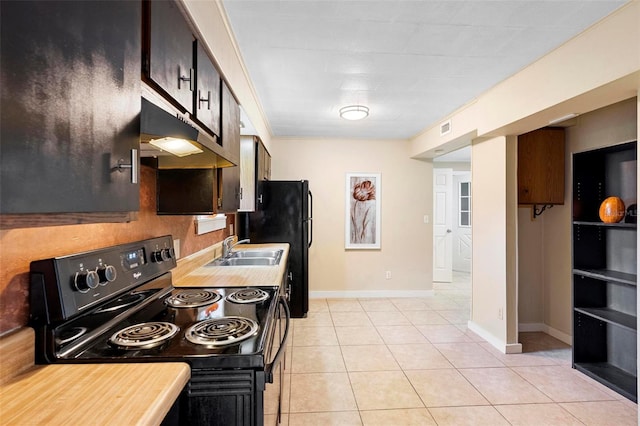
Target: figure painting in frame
{"type": "Point", "coordinates": [363, 211]}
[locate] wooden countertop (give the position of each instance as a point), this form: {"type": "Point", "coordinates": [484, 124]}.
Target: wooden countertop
{"type": "Point", "coordinates": [96, 394]}
{"type": "Point", "coordinates": [237, 276]}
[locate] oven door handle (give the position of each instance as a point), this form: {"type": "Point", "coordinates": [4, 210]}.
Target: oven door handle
{"type": "Point", "coordinates": [283, 343]}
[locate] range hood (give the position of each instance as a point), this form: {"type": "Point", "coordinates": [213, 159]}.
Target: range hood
{"type": "Point", "coordinates": [160, 119]}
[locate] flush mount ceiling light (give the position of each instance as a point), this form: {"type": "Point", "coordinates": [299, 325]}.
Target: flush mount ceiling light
{"type": "Point", "coordinates": [354, 112]}
{"type": "Point", "coordinates": [177, 147]}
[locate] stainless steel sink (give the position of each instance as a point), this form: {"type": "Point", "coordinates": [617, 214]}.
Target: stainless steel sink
{"type": "Point", "coordinates": [250, 258]}
{"type": "Point", "coordinates": [276, 254]}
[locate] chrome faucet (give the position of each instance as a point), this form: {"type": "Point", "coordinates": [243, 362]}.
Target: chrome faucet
{"type": "Point", "coordinates": [228, 245]}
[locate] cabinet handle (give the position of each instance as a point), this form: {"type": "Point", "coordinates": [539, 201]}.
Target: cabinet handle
{"type": "Point", "coordinates": [260, 198]}
{"type": "Point", "coordinates": [133, 166]}
{"type": "Point", "coordinates": [182, 78]}
{"type": "Point", "coordinates": [207, 99]}
{"type": "Point", "coordinates": [241, 193]}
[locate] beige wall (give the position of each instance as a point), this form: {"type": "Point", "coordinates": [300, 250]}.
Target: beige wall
{"type": "Point", "coordinates": [406, 197]}
{"type": "Point", "coordinates": [489, 206]}
{"type": "Point", "coordinates": [530, 267]}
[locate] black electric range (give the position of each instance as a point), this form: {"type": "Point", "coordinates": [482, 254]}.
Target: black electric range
{"type": "Point", "coordinates": [118, 304]}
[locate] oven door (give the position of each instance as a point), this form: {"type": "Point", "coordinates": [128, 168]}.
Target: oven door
{"type": "Point", "coordinates": [275, 369]}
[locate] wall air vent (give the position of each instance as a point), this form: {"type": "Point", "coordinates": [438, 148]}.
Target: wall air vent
{"type": "Point", "coordinates": [445, 128]}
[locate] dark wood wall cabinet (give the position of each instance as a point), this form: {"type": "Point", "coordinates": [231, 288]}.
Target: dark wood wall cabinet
{"type": "Point", "coordinates": [207, 107]}
{"type": "Point", "coordinates": [605, 269]}
{"type": "Point", "coordinates": [186, 191]}
{"type": "Point", "coordinates": [229, 185]}
{"type": "Point", "coordinates": [169, 58]}
{"type": "Point", "coordinates": [541, 167]}
{"type": "Point", "coordinates": [179, 67]}
{"type": "Point", "coordinates": [70, 104]}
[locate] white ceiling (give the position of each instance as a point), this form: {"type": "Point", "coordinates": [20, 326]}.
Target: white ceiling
{"type": "Point", "coordinates": [411, 62]}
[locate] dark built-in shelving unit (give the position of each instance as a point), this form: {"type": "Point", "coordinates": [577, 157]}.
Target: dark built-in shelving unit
{"type": "Point", "coordinates": [605, 269]}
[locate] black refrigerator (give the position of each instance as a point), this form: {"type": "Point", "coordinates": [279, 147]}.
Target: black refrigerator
{"type": "Point", "coordinates": [283, 215]}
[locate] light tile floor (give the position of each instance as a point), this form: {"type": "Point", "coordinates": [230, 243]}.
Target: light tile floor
{"type": "Point", "coordinates": [414, 362]}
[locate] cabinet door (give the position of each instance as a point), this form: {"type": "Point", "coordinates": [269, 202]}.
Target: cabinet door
{"type": "Point", "coordinates": [230, 176]}
{"type": "Point", "coordinates": [263, 167]}
{"type": "Point", "coordinates": [260, 166]}
{"type": "Point", "coordinates": [229, 189]}
{"type": "Point", "coordinates": [541, 167]}
{"type": "Point", "coordinates": [170, 52]}
{"type": "Point", "coordinates": [267, 164]}
{"type": "Point", "coordinates": [247, 174]}
{"type": "Point", "coordinates": [230, 122]}
{"type": "Point", "coordinates": [70, 104]}
{"type": "Point", "coordinates": [207, 99]}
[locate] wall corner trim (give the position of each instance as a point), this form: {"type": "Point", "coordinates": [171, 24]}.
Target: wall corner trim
{"type": "Point", "coordinates": [505, 348]}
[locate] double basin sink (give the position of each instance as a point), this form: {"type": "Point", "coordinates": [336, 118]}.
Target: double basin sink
{"type": "Point", "coordinates": [250, 257]}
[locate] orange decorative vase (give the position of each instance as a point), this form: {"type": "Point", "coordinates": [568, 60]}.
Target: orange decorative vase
{"type": "Point", "coordinates": [612, 210]}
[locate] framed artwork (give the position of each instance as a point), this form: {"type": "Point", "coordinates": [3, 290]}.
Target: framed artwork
{"type": "Point", "coordinates": [362, 218]}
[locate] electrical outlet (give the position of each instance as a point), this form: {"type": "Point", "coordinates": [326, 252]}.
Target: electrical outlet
{"type": "Point", "coordinates": [425, 218]}
{"type": "Point", "coordinates": [500, 313]}
{"type": "Point", "coordinates": [388, 275]}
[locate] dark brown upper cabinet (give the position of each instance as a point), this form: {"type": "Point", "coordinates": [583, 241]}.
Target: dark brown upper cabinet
{"type": "Point", "coordinates": [229, 185]}
{"type": "Point", "coordinates": [168, 52]}
{"type": "Point", "coordinates": [230, 121]}
{"type": "Point", "coordinates": [207, 95]}
{"type": "Point", "coordinates": [541, 166]}
{"type": "Point", "coordinates": [70, 104]}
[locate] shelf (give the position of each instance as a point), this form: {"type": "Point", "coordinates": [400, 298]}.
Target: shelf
{"type": "Point", "coordinates": [608, 275]}
{"type": "Point", "coordinates": [610, 376]}
{"type": "Point", "coordinates": [610, 316]}
{"type": "Point", "coordinates": [606, 225]}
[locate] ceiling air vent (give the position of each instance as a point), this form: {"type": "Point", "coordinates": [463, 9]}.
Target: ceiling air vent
{"type": "Point", "coordinates": [445, 127]}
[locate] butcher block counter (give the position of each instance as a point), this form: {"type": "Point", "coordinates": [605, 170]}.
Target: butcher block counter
{"type": "Point", "coordinates": [97, 394]}
{"type": "Point", "coordinates": [203, 275]}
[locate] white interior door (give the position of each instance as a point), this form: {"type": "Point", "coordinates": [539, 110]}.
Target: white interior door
{"type": "Point", "coordinates": [442, 224]}
{"type": "Point", "coordinates": [462, 221]}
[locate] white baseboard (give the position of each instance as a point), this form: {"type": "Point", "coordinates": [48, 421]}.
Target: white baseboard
{"type": "Point", "coordinates": [370, 294]}
{"type": "Point", "coordinates": [505, 348]}
{"type": "Point", "coordinates": [538, 326]}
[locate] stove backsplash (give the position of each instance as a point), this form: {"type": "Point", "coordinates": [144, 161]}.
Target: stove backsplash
{"type": "Point", "coordinates": [18, 247]}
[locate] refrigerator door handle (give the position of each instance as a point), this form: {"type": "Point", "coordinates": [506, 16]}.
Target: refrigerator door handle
{"type": "Point", "coordinates": [310, 218]}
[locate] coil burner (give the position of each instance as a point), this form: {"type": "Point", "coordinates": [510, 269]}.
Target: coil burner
{"type": "Point", "coordinates": [248, 295]}
{"type": "Point", "coordinates": [193, 298]}
{"type": "Point", "coordinates": [221, 331]}
{"type": "Point", "coordinates": [144, 336]}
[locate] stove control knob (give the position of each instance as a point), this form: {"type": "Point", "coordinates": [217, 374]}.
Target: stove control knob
{"type": "Point", "coordinates": [107, 274]}
{"type": "Point", "coordinates": [156, 256]}
{"type": "Point", "coordinates": [84, 281]}
{"type": "Point", "coordinates": [166, 254]}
